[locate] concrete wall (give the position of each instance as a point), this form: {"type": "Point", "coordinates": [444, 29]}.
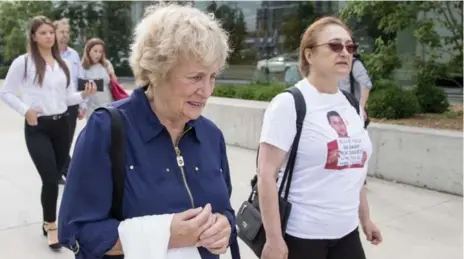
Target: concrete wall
{"type": "Point", "coordinates": [420, 157]}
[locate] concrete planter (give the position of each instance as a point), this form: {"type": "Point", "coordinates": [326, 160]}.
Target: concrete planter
{"type": "Point", "coordinates": [421, 157]}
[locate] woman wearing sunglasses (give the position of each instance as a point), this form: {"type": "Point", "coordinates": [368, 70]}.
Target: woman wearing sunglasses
{"type": "Point", "coordinates": [327, 192]}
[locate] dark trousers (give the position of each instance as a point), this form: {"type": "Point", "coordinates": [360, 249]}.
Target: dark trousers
{"type": "Point", "coordinates": [347, 247]}
{"type": "Point", "coordinates": [47, 144]}
{"type": "Point", "coordinates": [73, 111]}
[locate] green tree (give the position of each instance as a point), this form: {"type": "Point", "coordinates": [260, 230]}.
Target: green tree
{"type": "Point", "coordinates": [423, 17]}
{"type": "Point", "coordinates": [233, 22]}
{"type": "Point", "coordinates": [15, 17]}
{"type": "Point", "coordinates": [179, 2]}
{"type": "Point", "coordinates": [108, 20]}
{"type": "Point", "coordinates": [85, 20]}
{"type": "Point", "coordinates": [452, 19]}
{"type": "Point", "coordinates": [378, 19]}
{"type": "Point", "coordinates": [295, 24]}
{"type": "Point", "coordinates": [117, 32]}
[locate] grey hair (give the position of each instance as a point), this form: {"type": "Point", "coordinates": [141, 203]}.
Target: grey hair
{"type": "Point", "coordinates": [62, 21]}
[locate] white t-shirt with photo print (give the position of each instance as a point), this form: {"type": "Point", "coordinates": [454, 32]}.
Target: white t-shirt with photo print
{"type": "Point", "coordinates": [331, 163]}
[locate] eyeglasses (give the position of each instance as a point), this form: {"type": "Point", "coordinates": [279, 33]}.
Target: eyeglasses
{"type": "Point", "coordinates": [337, 47]}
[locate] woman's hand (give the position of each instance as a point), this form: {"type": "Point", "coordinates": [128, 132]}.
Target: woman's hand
{"type": "Point", "coordinates": [216, 238]}
{"type": "Point", "coordinates": [275, 248]}
{"type": "Point", "coordinates": [187, 226]}
{"type": "Point", "coordinates": [372, 232]}
{"type": "Point", "coordinates": [31, 117]}
{"type": "Point", "coordinates": [90, 89]}
{"type": "Point", "coordinates": [364, 113]}
{"type": "Point", "coordinates": [81, 114]}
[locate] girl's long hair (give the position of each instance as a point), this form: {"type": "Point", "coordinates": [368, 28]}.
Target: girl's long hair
{"type": "Point", "coordinates": [33, 50]}
{"type": "Point", "coordinates": [86, 60]}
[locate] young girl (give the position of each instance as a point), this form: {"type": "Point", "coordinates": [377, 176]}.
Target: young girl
{"type": "Point", "coordinates": [96, 66]}
{"type": "Point", "coordinates": [47, 92]}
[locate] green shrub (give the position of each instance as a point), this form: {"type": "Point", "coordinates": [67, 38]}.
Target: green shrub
{"type": "Point", "coordinates": [382, 84]}
{"type": "Point", "coordinates": [3, 71]}
{"type": "Point", "coordinates": [123, 69]}
{"type": "Point", "coordinates": [392, 103]}
{"type": "Point", "coordinates": [266, 93]}
{"type": "Point", "coordinates": [225, 91]}
{"type": "Point", "coordinates": [432, 99]}
{"type": "Point", "coordinates": [452, 114]}
{"type": "Point", "coordinates": [258, 92]}
{"type": "Point", "coordinates": [244, 92]}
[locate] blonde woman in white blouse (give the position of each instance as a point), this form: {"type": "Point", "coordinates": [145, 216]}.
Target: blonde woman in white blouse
{"type": "Point", "coordinates": [47, 91]}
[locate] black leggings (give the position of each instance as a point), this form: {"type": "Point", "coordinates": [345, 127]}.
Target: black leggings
{"type": "Point", "coordinates": [347, 247]}
{"type": "Point", "coordinates": [47, 144]}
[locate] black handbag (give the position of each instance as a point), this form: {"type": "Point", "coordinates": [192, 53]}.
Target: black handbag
{"type": "Point", "coordinates": [250, 227]}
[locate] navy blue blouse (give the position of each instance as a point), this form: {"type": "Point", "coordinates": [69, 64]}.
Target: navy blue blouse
{"type": "Point", "coordinates": [155, 182]}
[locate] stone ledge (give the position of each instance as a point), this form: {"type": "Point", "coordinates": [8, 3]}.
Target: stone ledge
{"type": "Point", "coordinates": [421, 157]}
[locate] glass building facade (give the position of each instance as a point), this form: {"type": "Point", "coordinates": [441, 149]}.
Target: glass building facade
{"type": "Point", "coordinates": [264, 38]}
{"type": "Point", "coordinates": [264, 46]}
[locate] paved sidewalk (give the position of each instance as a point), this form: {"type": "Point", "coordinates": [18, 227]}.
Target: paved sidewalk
{"type": "Point", "coordinates": [416, 223]}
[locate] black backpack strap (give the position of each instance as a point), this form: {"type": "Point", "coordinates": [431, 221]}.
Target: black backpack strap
{"type": "Point", "coordinates": [352, 99]}
{"type": "Point", "coordinates": [300, 106]}
{"type": "Point", "coordinates": [354, 102]}
{"type": "Point", "coordinates": [118, 160]}
{"type": "Point", "coordinates": [352, 79]}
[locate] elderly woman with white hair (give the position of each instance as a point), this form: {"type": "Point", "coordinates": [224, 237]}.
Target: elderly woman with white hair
{"type": "Point", "coordinates": [176, 199]}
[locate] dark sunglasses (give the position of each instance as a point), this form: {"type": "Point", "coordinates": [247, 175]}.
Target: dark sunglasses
{"type": "Point", "coordinates": [337, 47]}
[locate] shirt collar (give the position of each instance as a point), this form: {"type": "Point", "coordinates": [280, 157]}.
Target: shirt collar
{"type": "Point", "coordinates": [65, 52]}
{"type": "Point", "coordinates": [148, 123]}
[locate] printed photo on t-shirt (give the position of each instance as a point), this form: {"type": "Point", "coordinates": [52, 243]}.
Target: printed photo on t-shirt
{"type": "Point", "coordinates": [345, 151]}
{"type": "Point", "coordinates": [337, 123]}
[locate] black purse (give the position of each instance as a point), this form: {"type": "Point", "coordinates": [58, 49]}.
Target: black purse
{"type": "Point", "coordinates": [249, 223]}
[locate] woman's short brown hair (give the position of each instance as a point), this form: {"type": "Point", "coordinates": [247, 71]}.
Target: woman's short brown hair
{"type": "Point", "coordinates": [86, 60]}
{"type": "Point", "coordinates": [310, 37]}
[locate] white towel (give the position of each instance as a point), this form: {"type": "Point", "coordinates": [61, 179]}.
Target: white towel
{"type": "Point", "coordinates": [148, 238]}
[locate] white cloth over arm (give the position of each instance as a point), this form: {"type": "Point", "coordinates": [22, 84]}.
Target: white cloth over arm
{"type": "Point", "coordinates": [148, 238]}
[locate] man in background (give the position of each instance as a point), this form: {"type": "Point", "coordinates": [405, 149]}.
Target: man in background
{"type": "Point", "coordinates": [358, 82]}
{"type": "Point", "coordinates": [77, 111]}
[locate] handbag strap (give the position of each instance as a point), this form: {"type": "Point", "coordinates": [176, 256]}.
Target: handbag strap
{"type": "Point", "coordinates": [118, 161]}
{"type": "Point", "coordinates": [300, 107]}
{"type": "Point", "coordinates": [352, 100]}
{"type": "Point", "coordinates": [352, 79]}
{"type": "Point", "coordinates": [355, 103]}
{"type": "Point", "coordinates": [111, 75]}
